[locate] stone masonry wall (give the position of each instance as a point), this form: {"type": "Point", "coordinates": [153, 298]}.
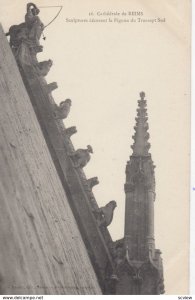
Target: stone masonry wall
{"type": "Point", "coordinates": [41, 250]}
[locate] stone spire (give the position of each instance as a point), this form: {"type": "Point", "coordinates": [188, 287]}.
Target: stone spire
{"type": "Point", "coordinates": [141, 136]}
{"type": "Point", "coordinates": [140, 191]}
{"type": "Point", "coordinates": [141, 271]}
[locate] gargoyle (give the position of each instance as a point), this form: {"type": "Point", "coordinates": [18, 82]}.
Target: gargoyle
{"type": "Point", "coordinates": [62, 111]}
{"type": "Point", "coordinates": [44, 67]}
{"type": "Point", "coordinates": [81, 157]}
{"type": "Point", "coordinates": [104, 215]}
{"type": "Point", "coordinates": [92, 182]}
{"type": "Point", "coordinates": [70, 131]}
{"type": "Point", "coordinates": [51, 87]}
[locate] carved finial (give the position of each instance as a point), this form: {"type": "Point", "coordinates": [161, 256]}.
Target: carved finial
{"type": "Point", "coordinates": [142, 95]}
{"type": "Point", "coordinates": [141, 136]}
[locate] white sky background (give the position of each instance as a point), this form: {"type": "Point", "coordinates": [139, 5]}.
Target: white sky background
{"type": "Point", "coordinates": [102, 68]}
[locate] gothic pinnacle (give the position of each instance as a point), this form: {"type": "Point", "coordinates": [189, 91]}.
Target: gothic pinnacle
{"type": "Point", "coordinates": [141, 136]}
{"type": "Point", "coordinates": [142, 95]}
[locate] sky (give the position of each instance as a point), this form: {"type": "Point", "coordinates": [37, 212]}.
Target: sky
{"type": "Point", "coordinates": [102, 67]}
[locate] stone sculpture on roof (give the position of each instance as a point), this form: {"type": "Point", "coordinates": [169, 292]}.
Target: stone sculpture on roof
{"type": "Point", "coordinates": [28, 32]}
{"type": "Point", "coordinates": [81, 157]}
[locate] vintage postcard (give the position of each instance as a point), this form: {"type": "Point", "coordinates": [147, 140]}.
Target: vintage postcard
{"type": "Point", "coordinates": [122, 71]}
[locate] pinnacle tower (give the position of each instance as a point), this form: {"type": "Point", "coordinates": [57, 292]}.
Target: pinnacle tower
{"type": "Point", "coordinates": [142, 265]}
{"type": "Point", "coordinates": [141, 136]}
{"type": "Point", "coordinates": [140, 191]}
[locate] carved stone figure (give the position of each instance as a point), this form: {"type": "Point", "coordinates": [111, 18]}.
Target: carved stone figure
{"type": "Point", "coordinates": [107, 212]}
{"type": "Point", "coordinates": [62, 111]}
{"type": "Point", "coordinates": [81, 156]}
{"type": "Point", "coordinates": [92, 182]}
{"type": "Point", "coordinates": [104, 215]}
{"type": "Point", "coordinates": [17, 33]}
{"type": "Point", "coordinates": [33, 23]}
{"type": "Point", "coordinates": [28, 32]}
{"type": "Point", "coordinates": [70, 131]}
{"type": "Point", "coordinates": [44, 67]}
{"type": "Point", "coordinates": [28, 57]}
{"type": "Point", "coordinates": [51, 86]}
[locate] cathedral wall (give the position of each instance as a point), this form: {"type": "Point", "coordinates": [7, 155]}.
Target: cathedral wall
{"type": "Point", "coordinates": [41, 250]}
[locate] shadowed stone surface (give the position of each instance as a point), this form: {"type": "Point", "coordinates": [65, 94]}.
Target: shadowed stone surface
{"type": "Point", "coordinates": [41, 250]}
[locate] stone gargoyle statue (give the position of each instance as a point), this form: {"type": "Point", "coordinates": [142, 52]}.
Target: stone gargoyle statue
{"type": "Point", "coordinates": [81, 157]}
{"type": "Point", "coordinates": [104, 215]}
{"type": "Point", "coordinates": [44, 67]}
{"type": "Point", "coordinates": [92, 182]}
{"type": "Point", "coordinates": [70, 131]}
{"type": "Point", "coordinates": [61, 112]}
{"type": "Point", "coordinates": [30, 31]}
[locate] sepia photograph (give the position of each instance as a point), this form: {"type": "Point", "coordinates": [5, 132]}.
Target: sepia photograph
{"type": "Point", "coordinates": [95, 147]}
